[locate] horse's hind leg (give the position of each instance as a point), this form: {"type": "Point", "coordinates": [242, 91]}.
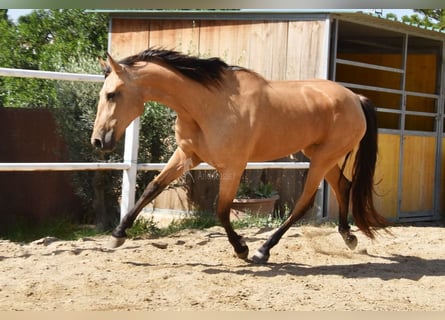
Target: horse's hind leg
{"type": "Point", "coordinates": [342, 187]}
{"type": "Point", "coordinates": [229, 181]}
{"type": "Point", "coordinates": [315, 174]}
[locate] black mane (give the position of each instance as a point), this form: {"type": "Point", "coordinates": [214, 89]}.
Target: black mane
{"type": "Point", "coordinates": [205, 71]}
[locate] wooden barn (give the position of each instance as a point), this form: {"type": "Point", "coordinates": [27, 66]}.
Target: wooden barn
{"type": "Point", "coordinates": [399, 66]}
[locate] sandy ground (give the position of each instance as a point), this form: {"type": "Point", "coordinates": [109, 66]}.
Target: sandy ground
{"type": "Point", "coordinates": [310, 269]}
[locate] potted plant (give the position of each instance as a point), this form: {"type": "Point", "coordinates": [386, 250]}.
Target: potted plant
{"type": "Point", "coordinates": [258, 201]}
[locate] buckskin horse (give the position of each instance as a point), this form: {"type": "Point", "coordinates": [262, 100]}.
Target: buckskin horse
{"type": "Point", "coordinates": [230, 115]}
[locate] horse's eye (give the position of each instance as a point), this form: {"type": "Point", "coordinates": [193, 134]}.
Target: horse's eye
{"type": "Point", "coordinates": [111, 96]}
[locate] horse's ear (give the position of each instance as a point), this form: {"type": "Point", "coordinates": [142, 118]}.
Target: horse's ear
{"type": "Point", "coordinates": [104, 66]}
{"type": "Point", "coordinates": [116, 67]}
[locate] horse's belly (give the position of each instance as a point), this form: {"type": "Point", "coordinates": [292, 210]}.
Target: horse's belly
{"type": "Point", "coordinates": [272, 150]}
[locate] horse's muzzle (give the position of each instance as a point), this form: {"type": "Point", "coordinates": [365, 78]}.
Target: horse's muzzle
{"type": "Point", "coordinates": [105, 142]}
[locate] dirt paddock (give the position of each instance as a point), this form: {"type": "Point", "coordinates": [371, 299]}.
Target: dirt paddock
{"type": "Point", "coordinates": [310, 269]}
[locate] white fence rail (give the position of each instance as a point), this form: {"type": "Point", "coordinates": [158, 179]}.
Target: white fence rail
{"type": "Point", "coordinates": [130, 165]}
{"type": "Point", "coordinates": [50, 75]}
{"type": "Point", "coordinates": [80, 166]}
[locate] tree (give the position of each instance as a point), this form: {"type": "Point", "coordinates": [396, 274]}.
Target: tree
{"type": "Point", "coordinates": [70, 40]}
{"type": "Point", "coordinates": [7, 38]}
{"type": "Point", "coordinates": [53, 36]}
{"type": "Point", "coordinates": [433, 18]}
{"type": "Point", "coordinates": [156, 142]}
{"type": "Point", "coordinates": [7, 41]}
{"type": "Point", "coordinates": [45, 40]}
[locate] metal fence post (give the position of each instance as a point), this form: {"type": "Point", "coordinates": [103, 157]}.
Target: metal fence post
{"type": "Point", "coordinates": [129, 175]}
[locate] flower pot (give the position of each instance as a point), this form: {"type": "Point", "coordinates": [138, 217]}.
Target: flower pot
{"type": "Point", "coordinates": [254, 207]}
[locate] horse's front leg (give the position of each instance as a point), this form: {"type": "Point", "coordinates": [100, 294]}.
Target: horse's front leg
{"type": "Point", "coordinates": [229, 181]}
{"type": "Point", "coordinates": [176, 166]}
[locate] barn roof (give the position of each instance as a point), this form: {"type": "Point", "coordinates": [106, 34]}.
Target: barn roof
{"type": "Point", "coordinates": [279, 14]}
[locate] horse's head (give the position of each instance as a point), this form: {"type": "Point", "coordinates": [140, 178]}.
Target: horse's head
{"type": "Point", "coordinates": [120, 102]}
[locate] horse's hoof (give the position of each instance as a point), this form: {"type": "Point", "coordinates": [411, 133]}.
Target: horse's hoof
{"type": "Point", "coordinates": [260, 257]}
{"type": "Point", "coordinates": [243, 255]}
{"type": "Point", "coordinates": [351, 241]}
{"type": "Point", "coordinates": [115, 242]}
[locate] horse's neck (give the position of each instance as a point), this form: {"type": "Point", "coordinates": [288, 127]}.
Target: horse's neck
{"type": "Point", "coordinates": [163, 85]}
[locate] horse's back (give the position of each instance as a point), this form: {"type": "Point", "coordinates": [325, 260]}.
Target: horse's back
{"type": "Point", "coordinates": [297, 114]}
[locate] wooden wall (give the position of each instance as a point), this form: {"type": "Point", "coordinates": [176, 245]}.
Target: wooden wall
{"type": "Point", "coordinates": [275, 49]}
{"type": "Point", "coordinates": [419, 160]}
{"type": "Point", "coordinates": [417, 170]}
{"type": "Point", "coordinates": [387, 175]}
{"type": "Point", "coordinates": [32, 198]}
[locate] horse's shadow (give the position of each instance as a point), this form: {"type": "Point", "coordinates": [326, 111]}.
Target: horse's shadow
{"type": "Point", "coordinates": [401, 267]}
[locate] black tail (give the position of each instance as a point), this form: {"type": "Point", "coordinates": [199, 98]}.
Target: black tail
{"type": "Point", "coordinates": [363, 210]}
